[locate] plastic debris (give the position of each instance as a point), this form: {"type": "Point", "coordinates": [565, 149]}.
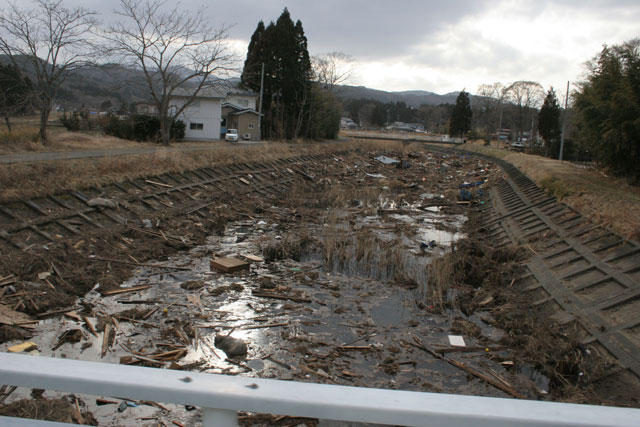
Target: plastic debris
{"type": "Point", "coordinates": [375, 175]}
{"type": "Point", "coordinates": [387, 160]}
{"type": "Point", "coordinates": [465, 195]}
{"type": "Point", "coordinates": [456, 341]}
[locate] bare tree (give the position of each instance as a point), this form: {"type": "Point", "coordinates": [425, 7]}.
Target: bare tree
{"type": "Point", "coordinates": [331, 69]}
{"type": "Point", "coordinates": [178, 51]}
{"type": "Point", "coordinates": [489, 99]}
{"type": "Point", "coordinates": [526, 95]}
{"type": "Point", "coordinates": [47, 42]}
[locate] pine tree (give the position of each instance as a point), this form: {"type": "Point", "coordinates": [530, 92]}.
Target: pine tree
{"type": "Point", "coordinates": [282, 47]}
{"type": "Point", "coordinates": [460, 122]}
{"type": "Point", "coordinates": [255, 56]}
{"type": "Point", "coordinates": [549, 123]}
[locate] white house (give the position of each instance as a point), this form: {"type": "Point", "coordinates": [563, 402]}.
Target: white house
{"type": "Point", "coordinates": [242, 98]}
{"type": "Point", "coordinates": [203, 116]}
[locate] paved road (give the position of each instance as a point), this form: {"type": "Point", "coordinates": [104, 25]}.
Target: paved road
{"type": "Point", "coordinates": [88, 154]}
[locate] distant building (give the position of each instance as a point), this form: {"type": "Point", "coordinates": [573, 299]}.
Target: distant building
{"type": "Point", "coordinates": [406, 127]}
{"type": "Point", "coordinates": [147, 109]}
{"type": "Point", "coordinates": [347, 123]}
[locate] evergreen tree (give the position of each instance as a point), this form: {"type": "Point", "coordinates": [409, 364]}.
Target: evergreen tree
{"type": "Point", "coordinates": [282, 48]}
{"type": "Point", "coordinates": [460, 122]}
{"type": "Point", "coordinates": [609, 106]}
{"type": "Point", "coordinates": [255, 56]}
{"type": "Point", "coordinates": [549, 123]}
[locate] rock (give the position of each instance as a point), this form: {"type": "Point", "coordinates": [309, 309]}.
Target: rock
{"type": "Point", "coordinates": [233, 347]}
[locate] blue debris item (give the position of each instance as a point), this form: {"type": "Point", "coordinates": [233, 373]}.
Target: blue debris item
{"type": "Point", "coordinates": [431, 244]}
{"type": "Point", "coordinates": [471, 184]}
{"type": "Point", "coordinates": [387, 160]}
{"type": "Point", "coordinates": [479, 192]}
{"type": "Point", "coordinates": [465, 195]}
{"type": "Point", "coordinates": [404, 165]}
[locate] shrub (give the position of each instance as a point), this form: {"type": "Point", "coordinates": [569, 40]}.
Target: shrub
{"type": "Point", "coordinates": [141, 127]}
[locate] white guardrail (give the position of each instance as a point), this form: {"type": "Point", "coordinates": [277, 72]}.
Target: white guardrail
{"type": "Point", "coordinates": [220, 396]}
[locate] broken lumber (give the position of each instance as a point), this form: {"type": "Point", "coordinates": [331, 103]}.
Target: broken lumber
{"type": "Point", "coordinates": [159, 184]}
{"type": "Point", "coordinates": [89, 325]}
{"type": "Point", "coordinates": [271, 325]}
{"type": "Point", "coordinates": [278, 296]}
{"type": "Point", "coordinates": [105, 339]}
{"type": "Point", "coordinates": [229, 265]}
{"type": "Point", "coordinates": [497, 384]}
{"type": "Point", "coordinates": [11, 317]}
{"type": "Point", "coordinates": [137, 265]}
{"type": "Point", "coordinates": [125, 290]}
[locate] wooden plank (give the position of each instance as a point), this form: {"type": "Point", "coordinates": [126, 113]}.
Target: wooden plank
{"type": "Point", "coordinates": [229, 265]}
{"type": "Point", "coordinates": [125, 290]}
{"type": "Point", "coordinates": [12, 317]}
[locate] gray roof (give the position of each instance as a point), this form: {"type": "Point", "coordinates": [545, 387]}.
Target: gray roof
{"type": "Point", "coordinates": [206, 92]}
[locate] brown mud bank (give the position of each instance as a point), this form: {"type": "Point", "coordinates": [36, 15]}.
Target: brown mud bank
{"type": "Point", "coordinates": [363, 268]}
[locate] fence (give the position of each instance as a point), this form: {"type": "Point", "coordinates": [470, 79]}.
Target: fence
{"type": "Point", "coordinates": [221, 396]}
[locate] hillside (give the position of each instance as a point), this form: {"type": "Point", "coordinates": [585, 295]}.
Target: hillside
{"type": "Point", "coordinates": [91, 86]}
{"type": "Point", "coordinates": [413, 98]}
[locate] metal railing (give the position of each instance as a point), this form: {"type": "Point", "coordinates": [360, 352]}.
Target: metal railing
{"type": "Point", "coordinates": [221, 396]}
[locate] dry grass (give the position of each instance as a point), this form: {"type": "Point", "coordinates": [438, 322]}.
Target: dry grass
{"type": "Point", "coordinates": [603, 199]}
{"type": "Point", "coordinates": [20, 139]}
{"type": "Point", "coordinates": [441, 274]}
{"type": "Point", "coordinates": [25, 180]}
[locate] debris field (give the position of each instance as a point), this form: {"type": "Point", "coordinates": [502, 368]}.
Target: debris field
{"type": "Point", "coordinates": [356, 268]}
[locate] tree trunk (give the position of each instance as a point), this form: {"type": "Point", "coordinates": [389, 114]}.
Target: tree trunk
{"type": "Point", "coordinates": [44, 118]}
{"type": "Point", "coordinates": [6, 121]}
{"type": "Point", "coordinates": [165, 136]}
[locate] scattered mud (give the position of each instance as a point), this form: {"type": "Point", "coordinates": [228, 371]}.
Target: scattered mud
{"type": "Point", "coordinates": [358, 276]}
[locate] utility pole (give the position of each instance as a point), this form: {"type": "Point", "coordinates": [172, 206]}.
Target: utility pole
{"type": "Point", "coordinates": [564, 122]}
{"type": "Point", "coordinates": [260, 106]}
{"type": "Point", "coordinates": [499, 125]}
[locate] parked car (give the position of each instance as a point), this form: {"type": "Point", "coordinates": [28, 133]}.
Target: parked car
{"type": "Point", "coordinates": [231, 135]}
{"type": "Point", "coordinates": [517, 145]}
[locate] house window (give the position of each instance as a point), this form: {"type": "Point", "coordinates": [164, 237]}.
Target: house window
{"type": "Point", "coordinates": [243, 102]}
{"type": "Point", "coordinates": [196, 126]}
{"type": "Point", "coordinates": [250, 126]}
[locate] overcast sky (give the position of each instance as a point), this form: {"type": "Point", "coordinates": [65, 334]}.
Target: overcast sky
{"type": "Point", "coordinates": [439, 46]}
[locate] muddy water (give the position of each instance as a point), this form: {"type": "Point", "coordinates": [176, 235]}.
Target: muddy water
{"type": "Point", "coordinates": [348, 320]}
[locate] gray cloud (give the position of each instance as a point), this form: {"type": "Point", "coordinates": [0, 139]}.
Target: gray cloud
{"type": "Point", "coordinates": [440, 36]}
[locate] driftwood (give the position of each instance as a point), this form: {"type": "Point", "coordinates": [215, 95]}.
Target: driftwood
{"type": "Point", "coordinates": [119, 261]}
{"type": "Point", "coordinates": [469, 349]}
{"type": "Point", "coordinates": [125, 290]}
{"type": "Point", "coordinates": [270, 325]}
{"type": "Point", "coordinates": [502, 385]}
{"type": "Point", "coordinates": [279, 296]}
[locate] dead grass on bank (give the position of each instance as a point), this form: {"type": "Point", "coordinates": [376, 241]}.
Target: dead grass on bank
{"type": "Point", "coordinates": [29, 180]}
{"type": "Point", "coordinates": [25, 138]}
{"type": "Point", "coordinates": [603, 199]}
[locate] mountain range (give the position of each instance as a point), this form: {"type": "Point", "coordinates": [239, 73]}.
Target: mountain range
{"type": "Point", "coordinates": [413, 98]}
{"type": "Point", "coordinates": [91, 87]}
